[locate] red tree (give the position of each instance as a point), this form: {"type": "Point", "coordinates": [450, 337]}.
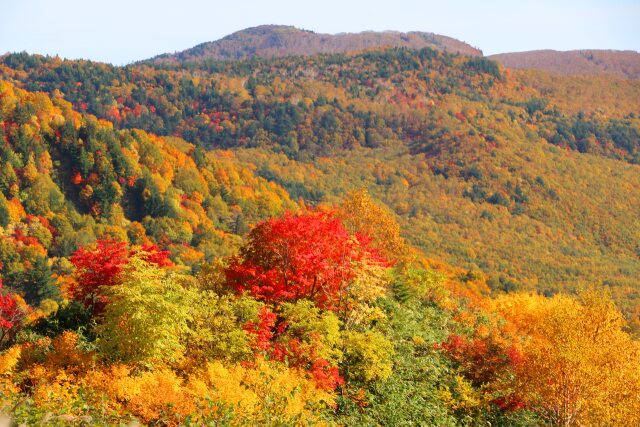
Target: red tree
{"type": "Point", "coordinates": [10, 316]}
{"type": "Point", "coordinates": [102, 264]}
{"type": "Point", "coordinates": [309, 255]}
{"type": "Point", "coordinates": [483, 361]}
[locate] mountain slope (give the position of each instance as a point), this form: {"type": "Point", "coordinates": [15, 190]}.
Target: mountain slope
{"type": "Point", "coordinates": [624, 64]}
{"type": "Point", "coordinates": [69, 178]}
{"type": "Point", "coordinates": [488, 169]}
{"type": "Point", "coordinates": [315, 318]}
{"type": "Point", "coordinates": [277, 41]}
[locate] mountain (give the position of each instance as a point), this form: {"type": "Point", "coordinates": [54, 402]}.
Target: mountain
{"type": "Point", "coordinates": [278, 40]}
{"type": "Point", "coordinates": [618, 63]}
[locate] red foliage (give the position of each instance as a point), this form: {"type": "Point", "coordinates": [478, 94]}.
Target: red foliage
{"type": "Point", "coordinates": [98, 267]}
{"type": "Point", "coordinates": [262, 330]}
{"type": "Point", "coordinates": [266, 333]}
{"type": "Point", "coordinates": [114, 113]}
{"type": "Point", "coordinates": [510, 403]}
{"type": "Point", "coordinates": [152, 254]}
{"type": "Point", "coordinates": [298, 256]}
{"type": "Point", "coordinates": [515, 356]}
{"type": "Point", "coordinates": [76, 179]}
{"type": "Point", "coordinates": [483, 360]}
{"type": "Point", "coordinates": [327, 377]}
{"type": "Point", "coordinates": [10, 316]}
{"type": "Point", "coordinates": [19, 236]}
{"type": "Point", "coordinates": [102, 265]}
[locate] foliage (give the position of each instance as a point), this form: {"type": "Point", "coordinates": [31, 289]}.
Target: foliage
{"type": "Point", "coordinates": [300, 256]}
{"type": "Point", "coordinates": [579, 365]}
{"type": "Point", "coordinates": [465, 153]}
{"type": "Point", "coordinates": [11, 317]}
{"type": "Point", "coordinates": [147, 316]}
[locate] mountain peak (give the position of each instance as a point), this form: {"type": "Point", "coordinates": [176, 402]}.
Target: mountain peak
{"type": "Point", "coordinates": [283, 40]}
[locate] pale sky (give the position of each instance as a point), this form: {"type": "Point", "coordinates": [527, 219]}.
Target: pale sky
{"type": "Point", "coordinates": [122, 31]}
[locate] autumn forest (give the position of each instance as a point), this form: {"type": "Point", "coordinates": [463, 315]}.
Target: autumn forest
{"type": "Point", "coordinates": [409, 234]}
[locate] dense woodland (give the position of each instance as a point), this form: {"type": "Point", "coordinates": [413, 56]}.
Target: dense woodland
{"type": "Point", "coordinates": [391, 237]}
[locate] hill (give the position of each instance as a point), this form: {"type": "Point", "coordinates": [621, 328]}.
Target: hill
{"type": "Point", "coordinates": [327, 312]}
{"type": "Point", "coordinates": [277, 40]}
{"type": "Point", "coordinates": [625, 64]}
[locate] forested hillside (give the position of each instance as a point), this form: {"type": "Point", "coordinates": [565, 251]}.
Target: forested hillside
{"type": "Point", "coordinates": [507, 173]}
{"type": "Point", "coordinates": [391, 237]}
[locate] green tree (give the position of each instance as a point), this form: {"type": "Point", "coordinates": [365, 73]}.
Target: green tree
{"type": "Point", "coordinates": [147, 316]}
{"type": "Point", "coordinates": [37, 283]}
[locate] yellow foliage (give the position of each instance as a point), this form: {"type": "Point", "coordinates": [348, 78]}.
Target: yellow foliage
{"type": "Point", "coordinates": [57, 392]}
{"type": "Point", "coordinates": [581, 367]}
{"type": "Point", "coordinates": [462, 396]}
{"type": "Point", "coordinates": [362, 214]}
{"type": "Point", "coordinates": [250, 392]}
{"type": "Point", "coordinates": [263, 388]}
{"type": "Point", "coordinates": [9, 359]}
{"type": "Point", "coordinates": [66, 355]}
{"type": "Point", "coordinates": [145, 395]}
{"type": "Point", "coordinates": [370, 283]}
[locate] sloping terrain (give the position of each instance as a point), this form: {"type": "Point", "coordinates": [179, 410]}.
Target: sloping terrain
{"type": "Point", "coordinates": [390, 237]}
{"type": "Point", "coordinates": [486, 168]}
{"type": "Point", "coordinates": [625, 64]}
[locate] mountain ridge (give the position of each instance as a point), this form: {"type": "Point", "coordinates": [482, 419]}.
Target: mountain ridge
{"type": "Point", "coordinates": [271, 41]}
{"type": "Point", "coordinates": [620, 63]}
{"type": "Point", "coordinates": [281, 40]}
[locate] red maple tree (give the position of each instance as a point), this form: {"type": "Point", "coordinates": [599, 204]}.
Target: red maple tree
{"type": "Point", "coordinates": [268, 341]}
{"type": "Point", "coordinates": [310, 255]}
{"type": "Point", "coordinates": [483, 361]}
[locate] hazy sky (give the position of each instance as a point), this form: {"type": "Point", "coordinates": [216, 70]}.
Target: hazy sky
{"type": "Point", "coordinates": [121, 31]}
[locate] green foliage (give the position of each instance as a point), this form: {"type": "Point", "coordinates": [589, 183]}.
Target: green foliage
{"type": "Point", "coordinates": [369, 356]}
{"type": "Point", "coordinates": [215, 327]}
{"type": "Point", "coordinates": [147, 318]}
{"type": "Point", "coordinates": [317, 328]}
{"type": "Point", "coordinates": [409, 396]}
{"type": "Point", "coordinates": [72, 316]}
{"type": "Point", "coordinates": [37, 283]}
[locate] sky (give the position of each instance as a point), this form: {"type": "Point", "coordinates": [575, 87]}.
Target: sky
{"type": "Point", "coordinates": [123, 31]}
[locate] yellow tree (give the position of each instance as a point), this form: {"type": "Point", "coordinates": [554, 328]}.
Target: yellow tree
{"type": "Point", "coordinates": [580, 367]}
{"type": "Point", "coordinates": [360, 213]}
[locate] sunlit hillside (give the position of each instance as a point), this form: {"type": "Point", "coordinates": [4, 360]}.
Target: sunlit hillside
{"type": "Point", "coordinates": [377, 237]}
